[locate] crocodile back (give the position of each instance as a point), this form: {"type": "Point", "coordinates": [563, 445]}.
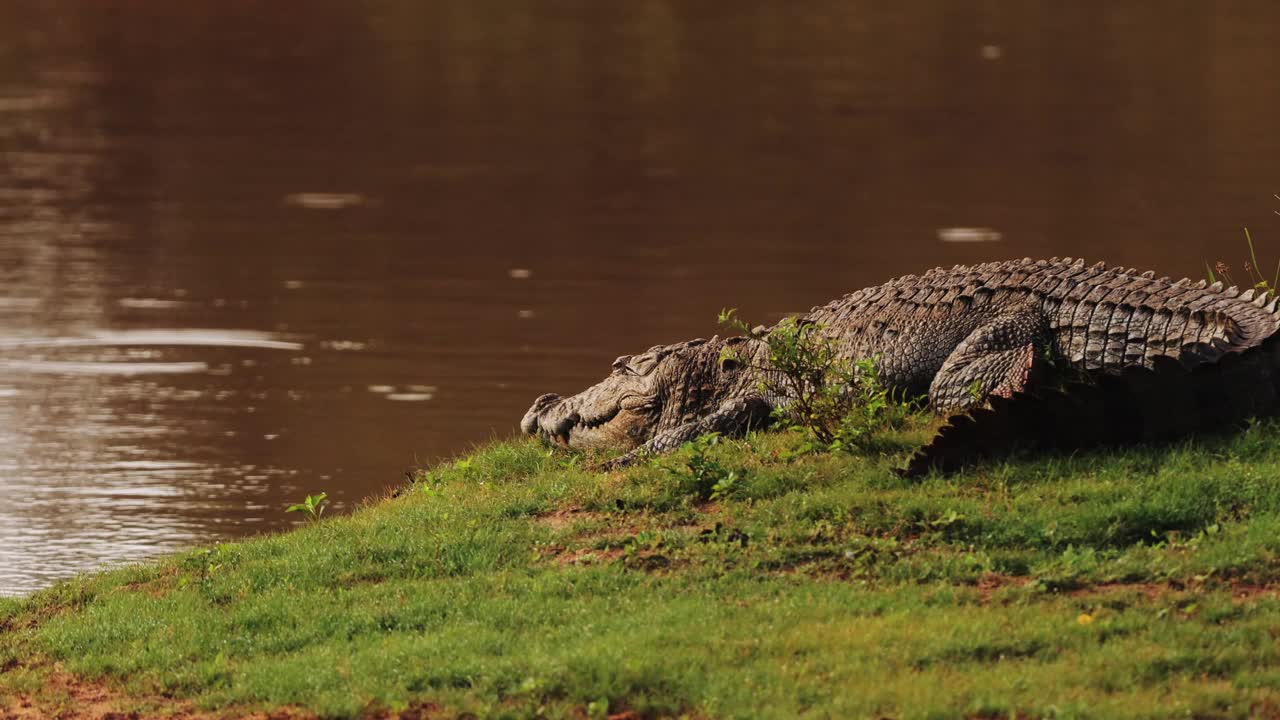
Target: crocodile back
{"type": "Point", "coordinates": [1098, 318]}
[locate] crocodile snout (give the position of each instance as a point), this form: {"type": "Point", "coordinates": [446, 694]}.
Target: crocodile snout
{"type": "Point", "coordinates": [530, 423]}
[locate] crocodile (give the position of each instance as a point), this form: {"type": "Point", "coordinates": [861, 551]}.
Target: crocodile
{"type": "Point", "coordinates": [973, 339]}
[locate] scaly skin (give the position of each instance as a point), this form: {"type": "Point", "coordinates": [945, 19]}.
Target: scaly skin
{"type": "Point", "coordinates": [962, 335]}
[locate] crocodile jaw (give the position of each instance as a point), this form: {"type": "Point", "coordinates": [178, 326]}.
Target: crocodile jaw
{"type": "Point", "coordinates": [584, 422]}
{"type": "Point", "coordinates": [657, 390]}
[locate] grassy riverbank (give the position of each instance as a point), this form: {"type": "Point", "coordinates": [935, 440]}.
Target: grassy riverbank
{"type": "Point", "coordinates": [1139, 583]}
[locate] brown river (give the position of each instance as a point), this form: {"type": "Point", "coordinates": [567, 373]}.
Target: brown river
{"type": "Point", "coordinates": [250, 250]}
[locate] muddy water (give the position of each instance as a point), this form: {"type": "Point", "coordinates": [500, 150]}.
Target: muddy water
{"type": "Point", "coordinates": [250, 250]}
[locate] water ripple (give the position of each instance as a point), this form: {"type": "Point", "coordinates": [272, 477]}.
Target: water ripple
{"type": "Point", "coordinates": [169, 337]}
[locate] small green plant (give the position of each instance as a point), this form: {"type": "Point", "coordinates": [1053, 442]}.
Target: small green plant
{"type": "Point", "coordinates": [201, 565]}
{"type": "Point", "coordinates": [1222, 271]}
{"type": "Point", "coordinates": [870, 410]}
{"type": "Point", "coordinates": [702, 475]}
{"type": "Point", "coordinates": [839, 402]}
{"type": "Point", "coordinates": [313, 505]}
{"type": "Point", "coordinates": [975, 391]}
{"type": "Point", "coordinates": [725, 486]}
{"type": "Point", "coordinates": [428, 483]}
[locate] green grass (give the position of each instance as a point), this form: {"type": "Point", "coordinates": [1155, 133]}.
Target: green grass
{"type": "Point", "coordinates": [1136, 583]}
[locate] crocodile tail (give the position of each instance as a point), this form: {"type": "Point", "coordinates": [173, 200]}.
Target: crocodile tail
{"type": "Point", "coordinates": [1157, 404]}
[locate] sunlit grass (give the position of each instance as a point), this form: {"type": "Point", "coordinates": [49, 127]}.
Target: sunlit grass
{"type": "Point", "coordinates": [1132, 583]}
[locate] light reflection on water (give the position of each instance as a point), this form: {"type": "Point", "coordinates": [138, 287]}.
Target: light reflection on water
{"type": "Point", "coordinates": [134, 510]}
{"type": "Point", "coordinates": [95, 470]}
{"type": "Point", "coordinates": [352, 239]}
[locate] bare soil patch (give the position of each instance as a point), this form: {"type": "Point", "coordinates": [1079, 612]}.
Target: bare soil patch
{"type": "Point", "coordinates": [67, 697]}
{"type": "Point", "coordinates": [563, 518]}
{"type": "Point", "coordinates": [989, 583]}
{"type": "Point", "coordinates": [589, 556]}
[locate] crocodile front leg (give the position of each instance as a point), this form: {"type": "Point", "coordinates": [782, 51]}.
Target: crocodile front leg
{"type": "Point", "coordinates": [733, 418]}
{"type": "Point", "coordinates": [1000, 357]}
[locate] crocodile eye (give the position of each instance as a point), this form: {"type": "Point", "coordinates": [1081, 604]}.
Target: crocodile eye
{"type": "Point", "coordinates": [637, 403]}
{"type": "Point", "coordinates": [641, 365]}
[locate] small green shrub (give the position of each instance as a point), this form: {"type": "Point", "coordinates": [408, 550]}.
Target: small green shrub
{"type": "Point", "coordinates": [839, 402]}
{"type": "Point", "coordinates": [702, 475]}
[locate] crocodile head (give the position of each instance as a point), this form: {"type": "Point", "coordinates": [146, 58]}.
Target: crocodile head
{"type": "Point", "coordinates": [643, 395]}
